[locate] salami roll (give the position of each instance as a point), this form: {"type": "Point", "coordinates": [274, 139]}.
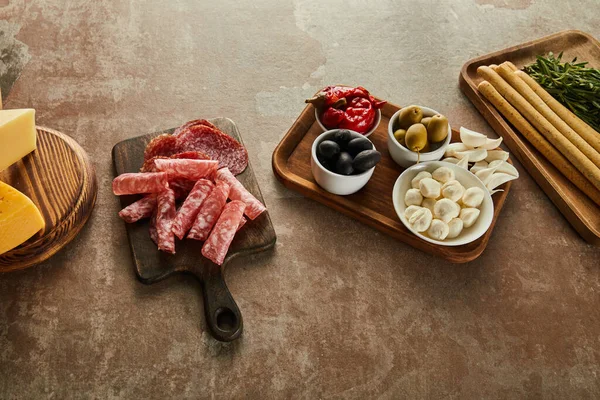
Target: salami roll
{"type": "Point", "coordinates": [152, 229]}
{"type": "Point", "coordinates": [164, 145]}
{"type": "Point", "coordinates": [216, 246]}
{"type": "Point", "coordinates": [143, 208]}
{"type": "Point", "coordinates": [165, 214]}
{"type": "Point", "coordinates": [149, 166]}
{"type": "Point", "coordinates": [142, 182]}
{"type": "Point", "coordinates": [187, 169]}
{"type": "Point", "coordinates": [181, 187]}
{"type": "Point", "coordinates": [189, 209]}
{"type": "Point", "coordinates": [209, 212]}
{"type": "Point", "coordinates": [242, 223]}
{"type": "Point", "coordinates": [238, 192]}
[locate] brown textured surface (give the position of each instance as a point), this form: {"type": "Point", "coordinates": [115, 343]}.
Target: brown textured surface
{"type": "Point", "coordinates": [337, 310]}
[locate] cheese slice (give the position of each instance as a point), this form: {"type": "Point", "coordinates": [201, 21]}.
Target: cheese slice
{"type": "Point", "coordinates": [20, 219]}
{"type": "Point", "coordinates": [17, 135]}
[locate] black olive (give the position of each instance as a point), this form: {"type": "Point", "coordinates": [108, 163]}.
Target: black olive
{"type": "Point", "coordinates": [342, 137]}
{"type": "Point", "coordinates": [366, 160]}
{"type": "Point", "coordinates": [344, 164]}
{"type": "Point", "coordinates": [357, 145]}
{"type": "Point", "coordinates": [328, 149]}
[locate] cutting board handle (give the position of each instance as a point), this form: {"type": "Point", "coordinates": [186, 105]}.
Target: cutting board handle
{"type": "Point", "coordinates": [223, 316]}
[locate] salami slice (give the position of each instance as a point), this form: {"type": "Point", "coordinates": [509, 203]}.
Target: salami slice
{"type": "Point", "coordinates": [164, 145]}
{"type": "Point", "coordinates": [189, 209]}
{"type": "Point", "coordinates": [187, 169]}
{"type": "Point", "coordinates": [143, 208]}
{"type": "Point", "coordinates": [181, 187]}
{"type": "Point", "coordinates": [209, 212]}
{"type": "Point", "coordinates": [217, 245]}
{"type": "Point", "coordinates": [152, 229]}
{"type": "Point", "coordinates": [149, 165]}
{"type": "Point", "coordinates": [238, 192]}
{"type": "Point", "coordinates": [134, 183]}
{"type": "Point", "coordinates": [217, 145]}
{"type": "Point", "coordinates": [192, 123]}
{"type": "Point", "coordinates": [164, 221]}
{"type": "Point", "coordinates": [242, 223]}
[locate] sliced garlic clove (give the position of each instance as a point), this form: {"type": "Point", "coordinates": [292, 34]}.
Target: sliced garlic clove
{"type": "Point", "coordinates": [474, 155]}
{"type": "Point", "coordinates": [485, 174]}
{"type": "Point", "coordinates": [495, 191]}
{"type": "Point", "coordinates": [464, 163]}
{"type": "Point", "coordinates": [496, 155]}
{"type": "Point", "coordinates": [491, 144]}
{"type": "Point", "coordinates": [472, 138]}
{"type": "Point", "coordinates": [498, 179]}
{"type": "Point", "coordinates": [451, 160]}
{"type": "Point", "coordinates": [454, 147]}
{"type": "Point", "coordinates": [479, 165]}
{"type": "Point", "coordinates": [503, 166]}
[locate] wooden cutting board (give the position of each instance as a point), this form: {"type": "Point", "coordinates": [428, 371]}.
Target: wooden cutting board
{"type": "Point", "coordinates": [223, 316]}
{"type": "Point", "coordinates": [60, 179]}
{"type": "Point", "coordinates": [581, 212]}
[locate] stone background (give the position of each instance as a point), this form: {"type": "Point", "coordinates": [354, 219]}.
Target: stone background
{"type": "Point", "coordinates": [337, 310]}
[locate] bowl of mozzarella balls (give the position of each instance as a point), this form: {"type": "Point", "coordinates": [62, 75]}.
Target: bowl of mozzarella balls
{"type": "Point", "coordinates": [443, 203]}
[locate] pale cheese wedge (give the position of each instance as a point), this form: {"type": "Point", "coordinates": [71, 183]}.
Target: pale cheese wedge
{"type": "Point", "coordinates": [17, 135]}
{"type": "Point", "coordinates": [20, 219]}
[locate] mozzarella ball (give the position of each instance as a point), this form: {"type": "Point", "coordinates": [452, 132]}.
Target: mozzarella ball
{"type": "Point", "coordinates": [430, 188]}
{"type": "Point", "coordinates": [473, 197]}
{"type": "Point", "coordinates": [456, 226]}
{"type": "Point", "coordinates": [415, 181]}
{"type": "Point", "coordinates": [438, 230]}
{"type": "Point", "coordinates": [469, 216]}
{"type": "Point", "coordinates": [429, 204]}
{"type": "Point", "coordinates": [420, 219]}
{"type": "Point", "coordinates": [453, 190]}
{"type": "Point", "coordinates": [446, 209]}
{"type": "Point", "coordinates": [410, 210]}
{"type": "Point", "coordinates": [413, 197]}
{"type": "Point", "coordinates": [443, 174]}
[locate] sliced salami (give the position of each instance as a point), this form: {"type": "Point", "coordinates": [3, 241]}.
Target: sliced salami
{"type": "Point", "coordinates": [217, 145]}
{"type": "Point", "coordinates": [217, 245]}
{"type": "Point", "coordinates": [164, 221]}
{"type": "Point", "coordinates": [238, 192]}
{"type": "Point", "coordinates": [135, 183]}
{"type": "Point", "coordinates": [164, 145]}
{"type": "Point", "coordinates": [152, 229]}
{"type": "Point", "coordinates": [181, 187]}
{"type": "Point", "coordinates": [242, 223]}
{"type": "Point", "coordinates": [209, 212]}
{"type": "Point", "coordinates": [192, 123]}
{"type": "Point", "coordinates": [143, 208]}
{"type": "Point", "coordinates": [189, 209]}
{"type": "Point", "coordinates": [187, 169]}
{"type": "Point", "coordinates": [149, 165]}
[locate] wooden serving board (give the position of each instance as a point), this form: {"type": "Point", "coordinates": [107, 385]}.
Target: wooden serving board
{"type": "Point", "coordinates": [372, 204]}
{"type": "Point", "coordinates": [60, 179]}
{"type": "Point", "coordinates": [579, 210]}
{"type": "Point", "coordinates": [223, 316]}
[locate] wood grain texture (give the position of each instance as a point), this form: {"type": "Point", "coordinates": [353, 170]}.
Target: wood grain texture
{"type": "Point", "coordinates": [372, 204]}
{"type": "Point", "coordinates": [581, 212]}
{"type": "Point", "coordinates": [60, 179]}
{"type": "Point", "coordinates": [152, 265]}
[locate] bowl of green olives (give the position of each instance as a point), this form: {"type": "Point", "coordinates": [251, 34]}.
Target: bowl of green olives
{"type": "Point", "coordinates": [343, 161]}
{"type": "Point", "coordinates": [418, 134]}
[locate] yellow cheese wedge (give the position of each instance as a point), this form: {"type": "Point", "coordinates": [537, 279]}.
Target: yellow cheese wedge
{"type": "Point", "coordinates": [20, 219]}
{"type": "Point", "coordinates": [17, 135]}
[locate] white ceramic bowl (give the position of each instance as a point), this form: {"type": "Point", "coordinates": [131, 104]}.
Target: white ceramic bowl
{"type": "Point", "coordinates": [375, 122]}
{"type": "Point", "coordinates": [467, 179]}
{"type": "Point", "coordinates": [405, 157]}
{"type": "Point", "coordinates": [332, 182]}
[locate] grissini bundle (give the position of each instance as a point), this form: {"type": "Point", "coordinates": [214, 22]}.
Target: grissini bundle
{"type": "Point", "coordinates": [570, 151]}
{"type": "Point", "coordinates": [538, 141]}
{"type": "Point", "coordinates": [583, 129]}
{"type": "Point", "coordinates": [532, 98]}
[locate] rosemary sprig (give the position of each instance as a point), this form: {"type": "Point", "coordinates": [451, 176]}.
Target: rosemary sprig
{"type": "Point", "coordinates": [573, 84]}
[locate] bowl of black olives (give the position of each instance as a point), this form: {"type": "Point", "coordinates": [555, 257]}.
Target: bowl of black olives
{"type": "Point", "coordinates": [343, 161]}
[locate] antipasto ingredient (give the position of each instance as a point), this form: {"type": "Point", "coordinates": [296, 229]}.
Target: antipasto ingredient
{"type": "Point", "coordinates": [415, 182]}
{"type": "Point", "coordinates": [238, 192]}
{"type": "Point", "coordinates": [438, 230]}
{"type": "Point", "coordinates": [343, 165]}
{"type": "Point", "coordinates": [164, 221]}
{"type": "Point", "coordinates": [472, 138]}
{"type": "Point", "coordinates": [473, 155]}
{"type": "Point", "coordinates": [17, 135]}
{"type": "Point", "coordinates": [443, 174]}
{"type": "Point", "coordinates": [20, 219]}
{"type": "Point", "coordinates": [437, 128]}
{"type": "Point", "coordinates": [413, 197]}
{"type": "Point", "coordinates": [328, 149]}
{"type": "Point", "coordinates": [420, 220]}
{"type": "Point", "coordinates": [425, 121]}
{"type": "Point", "coordinates": [410, 210]}
{"type": "Point", "coordinates": [409, 116]}
{"type": "Point", "coordinates": [187, 169]}
{"type": "Point", "coordinates": [453, 190]}
{"type": "Point", "coordinates": [430, 188]}
{"type": "Point", "coordinates": [209, 211]}
{"type": "Point", "coordinates": [400, 135]}
{"type": "Point", "coordinates": [366, 160]}
{"type": "Point", "coordinates": [358, 145]}
{"type": "Point", "coordinates": [445, 209]}
{"type": "Point", "coordinates": [416, 137]}
{"type": "Point", "coordinates": [143, 182]}
{"type": "Point", "coordinates": [216, 246]}
{"type": "Point", "coordinates": [429, 204]}
{"type": "Point", "coordinates": [143, 208]}
{"type": "Point", "coordinates": [455, 227]}
{"type": "Point", "coordinates": [187, 213]}
{"type": "Point", "coordinates": [498, 179]}
{"type": "Point", "coordinates": [469, 216]}
{"type": "Point", "coordinates": [473, 197]}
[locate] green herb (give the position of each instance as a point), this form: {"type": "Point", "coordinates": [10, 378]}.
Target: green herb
{"type": "Point", "coordinates": [573, 84]}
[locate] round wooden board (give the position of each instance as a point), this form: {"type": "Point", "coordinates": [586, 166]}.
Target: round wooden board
{"type": "Point", "coordinates": [61, 181]}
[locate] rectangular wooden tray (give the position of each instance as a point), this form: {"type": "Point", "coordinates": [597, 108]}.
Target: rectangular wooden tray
{"type": "Point", "coordinates": [579, 210]}
{"type": "Point", "coordinates": [372, 204]}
